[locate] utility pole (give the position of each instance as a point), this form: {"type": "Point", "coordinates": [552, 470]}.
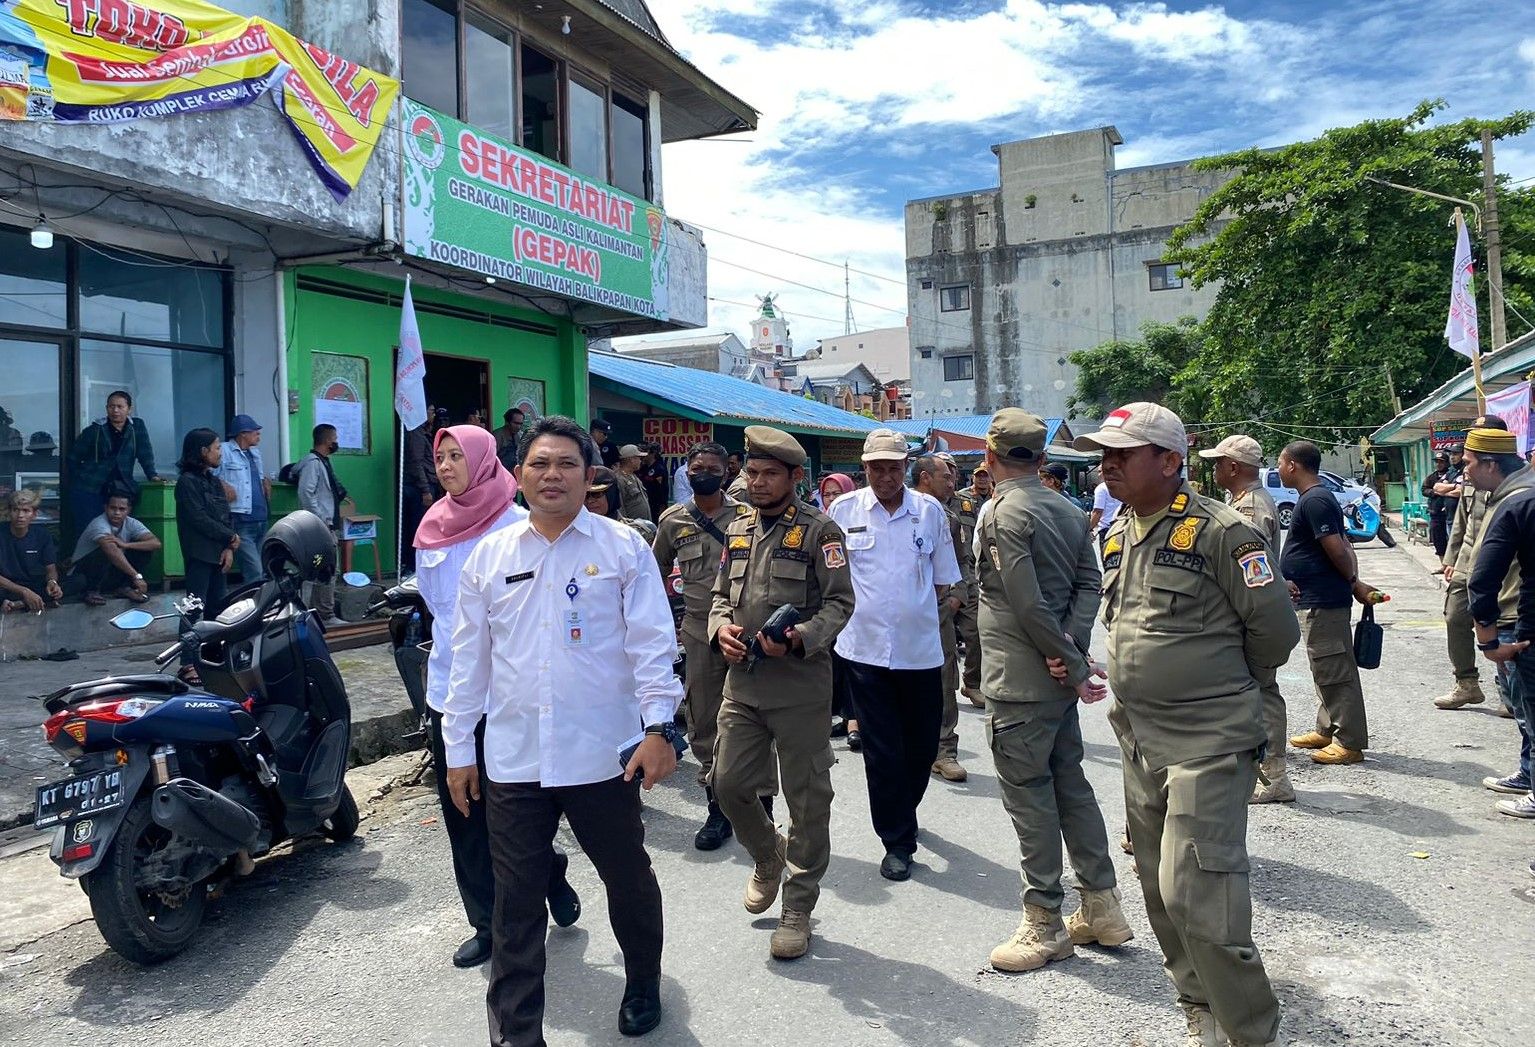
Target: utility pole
{"type": "Point", "coordinates": [1494, 244]}
{"type": "Point", "coordinates": [847, 300]}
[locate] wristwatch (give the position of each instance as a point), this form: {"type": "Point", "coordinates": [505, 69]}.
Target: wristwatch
{"type": "Point", "coordinates": [138, 577]}
{"type": "Point", "coordinates": [666, 729]}
{"type": "Point", "coordinates": [1490, 645]}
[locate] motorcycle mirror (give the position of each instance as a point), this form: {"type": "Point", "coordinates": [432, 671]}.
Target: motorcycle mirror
{"type": "Point", "coordinates": [130, 620]}
{"type": "Point", "coordinates": [357, 579]}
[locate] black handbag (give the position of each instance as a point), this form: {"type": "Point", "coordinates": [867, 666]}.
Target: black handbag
{"type": "Point", "coordinates": [1368, 636]}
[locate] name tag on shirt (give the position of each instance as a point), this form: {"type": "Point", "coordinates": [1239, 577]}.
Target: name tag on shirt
{"type": "Point", "coordinates": [575, 628]}
{"type": "Point", "coordinates": [513, 579]}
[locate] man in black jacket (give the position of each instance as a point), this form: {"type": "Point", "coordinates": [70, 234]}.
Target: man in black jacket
{"type": "Point", "coordinates": [1438, 504]}
{"type": "Point", "coordinates": [418, 489]}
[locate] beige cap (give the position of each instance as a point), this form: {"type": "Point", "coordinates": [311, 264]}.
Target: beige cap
{"type": "Point", "coordinates": [1015, 433]}
{"type": "Point", "coordinates": [630, 451]}
{"type": "Point", "coordinates": [1136, 425]}
{"type": "Point", "coordinates": [1238, 448]}
{"type": "Point", "coordinates": [884, 445]}
{"type": "Point", "coordinates": [763, 441]}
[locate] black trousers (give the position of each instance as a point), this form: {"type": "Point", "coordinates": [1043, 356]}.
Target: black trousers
{"type": "Point", "coordinates": [1439, 532]}
{"type": "Point", "coordinates": [899, 712]}
{"type": "Point", "coordinates": [413, 511]}
{"type": "Point", "coordinates": [522, 818]}
{"type": "Point", "coordinates": [98, 573]}
{"type": "Point", "coordinates": [467, 836]}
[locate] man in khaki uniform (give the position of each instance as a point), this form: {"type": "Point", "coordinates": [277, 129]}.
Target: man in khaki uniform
{"type": "Point", "coordinates": [691, 534]}
{"type": "Point", "coordinates": [966, 505]}
{"type": "Point", "coordinates": [1471, 513]}
{"type": "Point", "coordinates": [1193, 605]}
{"type": "Point", "coordinates": [1237, 461]}
{"type": "Point", "coordinates": [1039, 595]}
{"type": "Point", "coordinates": [931, 476]}
{"type": "Point", "coordinates": [786, 551]}
{"type": "Point", "coordinates": [634, 503]}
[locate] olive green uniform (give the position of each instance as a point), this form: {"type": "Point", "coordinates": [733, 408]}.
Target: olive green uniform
{"type": "Point", "coordinates": [737, 488]}
{"type": "Point", "coordinates": [633, 501]}
{"type": "Point", "coordinates": [680, 538]}
{"type": "Point", "coordinates": [798, 559]}
{"type": "Point", "coordinates": [1039, 581]}
{"type": "Point", "coordinates": [1258, 506]}
{"type": "Point", "coordinates": [966, 506]}
{"type": "Point", "coordinates": [965, 591]}
{"type": "Point", "coordinates": [1471, 514]}
{"type": "Point", "coordinates": [1193, 607]}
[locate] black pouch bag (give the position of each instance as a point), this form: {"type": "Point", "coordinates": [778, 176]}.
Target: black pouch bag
{"type": "Point", "coordinates": [1367, 640]}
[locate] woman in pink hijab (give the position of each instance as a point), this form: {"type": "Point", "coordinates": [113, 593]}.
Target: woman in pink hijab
{"type": "Point", "coordinates": [834, 486]}
{"type": "Point", "coordinates": [477, 500]}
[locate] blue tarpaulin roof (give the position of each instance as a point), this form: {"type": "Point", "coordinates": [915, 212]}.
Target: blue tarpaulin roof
{"type": "Point", "coordinates": [708, 397]}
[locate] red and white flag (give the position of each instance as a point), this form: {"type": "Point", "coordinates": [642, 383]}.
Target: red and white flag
{"type": "Point", "coordinates": [1460, 329]}
{"type": "Point", "coordinates": [410, 370]}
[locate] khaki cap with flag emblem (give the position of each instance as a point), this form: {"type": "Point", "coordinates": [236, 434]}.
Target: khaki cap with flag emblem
{"type": "Point", "coordinates": [884, 445]}
{"type": "Point", "coordinates": [763, 441]}
{"type": "Point", "coordinates": [1238, 448]}
{"type": "Point", "coordinates": [1015, 433]}
{"type": "Point", "coordinates": [1136, 425]}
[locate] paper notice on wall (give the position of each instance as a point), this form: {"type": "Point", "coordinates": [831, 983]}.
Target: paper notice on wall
{"type": "Point", "coordinates": [346, 416]}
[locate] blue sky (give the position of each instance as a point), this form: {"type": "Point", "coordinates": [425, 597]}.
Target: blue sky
{"type": "Point", "coordinates": [867, 105]}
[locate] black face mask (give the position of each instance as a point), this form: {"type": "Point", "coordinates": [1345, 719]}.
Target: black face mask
{"type": "Point", "coordinates": [334, 447]}
{"type": "Point", "coordinates": [706, 483]}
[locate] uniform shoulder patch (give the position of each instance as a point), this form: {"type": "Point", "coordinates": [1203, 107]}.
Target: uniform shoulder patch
{"type": "Point", "coordinates": [966, 505]}
{"type": "Point", "coordinates": [794, 537]}
{"type": "Point", "coordinates": [743, 510]}
{"type": "Point", "coordinates": [1112, 546]}
{"type": "Point", "coordinates": [833, 554]}
{"type": "Point", "coordinates": [1186, 533]}
{"type": "Point", "coordinates": [740, 541]}
{"type": "Point", "coordinates": [1247, 547]}
{"type": "Point", "coordinates": [684, 531]}
{"type": "Point", "coordinates": [1256, 570]}
{"type": "Point", "coordinates": [1180, 502]}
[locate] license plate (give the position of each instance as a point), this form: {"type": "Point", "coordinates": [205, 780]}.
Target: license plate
{"type": "Point", "coordinates": [78, 797]}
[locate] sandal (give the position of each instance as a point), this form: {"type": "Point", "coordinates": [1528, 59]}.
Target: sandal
{"type": "Point", "coordinates": [94, 599]}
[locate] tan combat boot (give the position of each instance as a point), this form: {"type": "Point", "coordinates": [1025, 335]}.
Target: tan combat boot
{"type": "Point", "coordinates": [948, 768]}
{"type": "Point", "coordinates": [762, 888]}
{"type": "Point", "coordinates": [1466, 692]}
{"type": "Point", "coordinates": [1273, 783]}
{"type": "Point", "coordinates": [1204, 1031]}
{"type": "Point", "coordinates": [1311, 740]}
{"type": "Point", "coordinates": [792, 938]}
{"type": "Point", "coordinates": [1040, 938]}
{"type": "Point", "coordinates": [1099, 920]}
{"type": "Point", "coordinates": [974, 694]}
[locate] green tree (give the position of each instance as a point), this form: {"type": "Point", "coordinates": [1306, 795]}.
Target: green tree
{"type": "Point", "coordinates": [1332, 286]}
{"type": "Point", "coordinates": [1155, 367]}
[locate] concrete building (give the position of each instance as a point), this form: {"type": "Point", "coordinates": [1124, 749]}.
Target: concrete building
{"type": "Point", "coordinates": [1064, 254]}
{"type": "Point", "coordinates": [886, 351]}
{"type": "Point", "coordinates": [210, 263]}
{"type": "Point", "coordinates": [716, 351]}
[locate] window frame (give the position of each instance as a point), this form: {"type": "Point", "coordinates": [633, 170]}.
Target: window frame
{"type": "Point", "coordinates": [968, 359]}
{"type": "Point", "coordinates": [943, 300]}
{"type": "Point", "coordinates": [1168, 271]}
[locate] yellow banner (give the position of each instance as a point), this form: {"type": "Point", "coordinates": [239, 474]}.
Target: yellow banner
{"type": "Point", "coordinates": [111, 61]}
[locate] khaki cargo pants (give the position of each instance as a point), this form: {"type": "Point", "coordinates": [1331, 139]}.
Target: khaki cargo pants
{"type": "Point", "coordinates": [1330, 647]}
{"type": "Point", "coordinates": [948, 730]}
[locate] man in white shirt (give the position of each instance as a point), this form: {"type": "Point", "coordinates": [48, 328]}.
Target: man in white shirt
{"type": "Point", "coordinates": [682, 487]}
{"type": "Point", "coordinates": [1105, 508]}
{"type": "Point", "coordinates": [565, 642]}
{"type": "Point", "coordinates": [901, 552]}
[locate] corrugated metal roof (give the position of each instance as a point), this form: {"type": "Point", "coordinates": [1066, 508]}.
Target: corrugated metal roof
{"type": "Point", "coordinates": [974, 425]}
{"type": "Point", "coordinates": [721, 398]}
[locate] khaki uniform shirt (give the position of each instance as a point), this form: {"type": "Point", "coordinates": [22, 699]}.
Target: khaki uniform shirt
{"type": "Point", "coordinates": [1039, 581]}
{"type": "Point", "coordinates": [1193, 608]}
{"type": "Point", "coordinates": [697, 553]}
{"type": "Point", "coordinates": [633, 501]}
{"type": "Point", "coordinates": [737, 488]}
{"type": "Point", "coordinates": [974, 496]}
{"type": "Point", "coordinates": [1258, 506]}
{"type": "Point", "coordinates": [801, 560]}
{"type": "Point", "coordinates": [1471, 514]}
{"type": "Point", "coordinates": [965, 589]}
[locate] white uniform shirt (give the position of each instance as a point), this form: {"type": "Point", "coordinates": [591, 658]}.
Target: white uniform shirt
{"type": "Point", "coordinates": [896, 561]}
{"type": "Point", "coordinates": [566, 646]}
{"type": "Point", "coordinates": [437, 572]}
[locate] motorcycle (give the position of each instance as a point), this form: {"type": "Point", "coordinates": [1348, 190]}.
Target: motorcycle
{"type": "Point", "coordinates": [1363, 522]}
{"type": "Point", "coordinates": [173, 789]}
{"type": "Point", "coordinates": [410, 634]}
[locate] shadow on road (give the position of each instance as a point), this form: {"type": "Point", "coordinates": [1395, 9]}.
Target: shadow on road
{"type": "Point", "coordinates": [1339, 900]}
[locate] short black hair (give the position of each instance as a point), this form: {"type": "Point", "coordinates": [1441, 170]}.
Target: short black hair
{"type": "Point", "coordinates": [558, 425]}
{"type": "Point", "coordinates": [1057, 470]}
{"type": "Point", "coordinates": [708, 447]}
{"type": "Point", "coordinates": [1305, 454]}
{"type": "Point", "coordinates": [1506, 463]}
{"type": "Point", "coordinates": [115, 490]}
{"type": "Point", "coordinates": [738, 456]}
{"type": "Point", "coordinates": [319, 430]}
{"type": "Point", "coordinates": [125, 394]}
{"type": "Point", "coordinates": [1492, 421]}
{"type": "Point", "coordinates": [507, 417]}
{"type": "Point", "coordinates": [925, 465]}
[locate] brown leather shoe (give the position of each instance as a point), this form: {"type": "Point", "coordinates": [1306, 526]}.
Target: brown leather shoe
{"type": "Point", "coordinates": [1311, 740]}
{"type": "Point", "coordinates": [1336, 753]}
{"type": "Point", "coordinates": [949, 769]}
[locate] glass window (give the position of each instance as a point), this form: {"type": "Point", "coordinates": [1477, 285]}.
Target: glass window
{"type": "Point", "coordinates": [631, 150]}
{"type": "Point", "coordinates": [489, 79]}
{"type": "Point", "coordinates": [174, 391]}
{"type": "Point", "coordinates": [540, 104]}
{"type": "Point", "coordinates": [429, 53]}
{"type": "Point", "coordinates": [31, 281]}
{"type": "Point", "coordinates": [959, 368]}
{"type": "Point", "coordinates": [130, 296]}
{"type": "Point", "coordinates": [588, 128]}
{"type": "Point", "coordinates": [29, 421]}
{"type": "Point", "coordinates": [954, 299]}
{"type": "Point", "coordinates": [1164, 277]}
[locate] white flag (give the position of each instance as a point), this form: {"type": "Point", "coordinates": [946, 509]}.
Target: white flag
{"type": "Point", "coordinates": [410, 371]}
{"type": "Point", "coordinates": [1460, 328]}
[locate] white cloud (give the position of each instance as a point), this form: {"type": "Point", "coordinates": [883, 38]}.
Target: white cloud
{"type": "Point", "coordinates": [1527, 52]}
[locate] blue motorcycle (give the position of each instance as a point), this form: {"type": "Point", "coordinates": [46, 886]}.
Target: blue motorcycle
{"type": "Point", "coordinates": [174, 789]}
{"type": "Point", "coordinates": [1362, 522]}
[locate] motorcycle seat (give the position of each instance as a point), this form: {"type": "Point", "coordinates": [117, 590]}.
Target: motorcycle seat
{"type": "Point", "coordinates": [113, 687]}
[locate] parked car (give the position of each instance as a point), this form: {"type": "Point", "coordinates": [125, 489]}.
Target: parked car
{"type": "Point", "coordinates": [1344, 490]}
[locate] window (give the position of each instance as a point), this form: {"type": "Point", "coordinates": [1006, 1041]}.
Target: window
{"type": "Point", "coordinates": [32, 289]}
{"type": "Point", "coordinates": [927, 285]}
{"type": "Point", "coordinates": [982, 229]}
{"type": "Point", "coordinates": [174, 391]}
{"type": "Point", "coordinates": [588, 127]}
{"type": "Point", "coordinates": [631, 145]}
{"type": "Point", "coordinates": [959, 368]}
{"type": "Point", "coordinates": [429, 53]}
{"type": "Point", "coordinates": [125, 296]}
{"type": "Point", "coordinates": [954, 299]}
{"type": "Point", "coordinates": [926, 354]}
{"type": "Point", "coordinates": [540, 103]}
{"type": "Point", "coordinates": [1164, 276]}
{"type": "Point", "coordinates": [490, 81]}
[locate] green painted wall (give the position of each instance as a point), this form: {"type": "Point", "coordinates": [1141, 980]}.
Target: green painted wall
{"type": "Point", "coordinates": [331, 322]}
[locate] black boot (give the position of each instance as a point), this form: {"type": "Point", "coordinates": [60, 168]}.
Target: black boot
{"type": "Point", "coordinates": [641, 1010]}
{"type": "Point", "coordinates": [716, 828]}
{"type": "Point", "coordinates": [473, 952]}
{"type": "Point", "coordinates": [564, 903]}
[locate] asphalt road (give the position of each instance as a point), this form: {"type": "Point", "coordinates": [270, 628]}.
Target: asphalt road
{"type": "Point", "coordinates": [1392, 906]}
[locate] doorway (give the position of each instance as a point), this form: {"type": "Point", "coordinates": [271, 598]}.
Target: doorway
{"type": "Point", "coordinates": [32, 424]}
{"type": "Point", "coordinates": [460, 385]}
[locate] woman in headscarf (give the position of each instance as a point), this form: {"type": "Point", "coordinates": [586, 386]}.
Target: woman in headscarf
{"type": "Point", "coordinates": [478, 499]}
{"type": "Point", "coordinates": [843, 720]}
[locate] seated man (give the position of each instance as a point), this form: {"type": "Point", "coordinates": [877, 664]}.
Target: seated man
{"type": "Point", "coordinates": [29, 570]}
{"type": "Point", "coordinates": [112, 552]}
